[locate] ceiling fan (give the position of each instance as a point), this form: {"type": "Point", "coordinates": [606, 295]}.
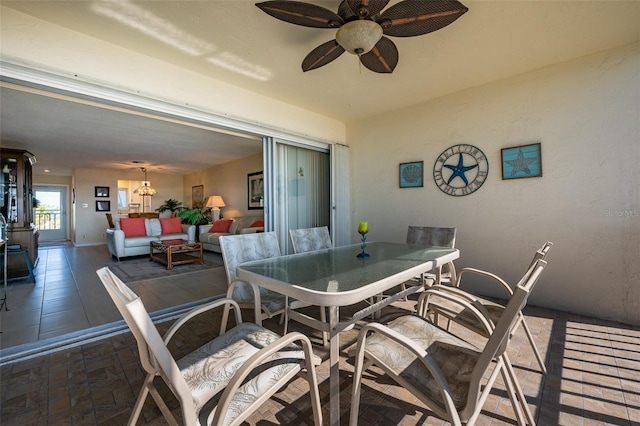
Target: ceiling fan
{"type": "Point", "coordinates": [362, 26]}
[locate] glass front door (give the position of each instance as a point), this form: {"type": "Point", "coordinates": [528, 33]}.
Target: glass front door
{"type": "Point", "coordinates": [51, 214]}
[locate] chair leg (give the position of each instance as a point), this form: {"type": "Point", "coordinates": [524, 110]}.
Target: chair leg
{"type": "Point", "coordinates": [518, 389]}
{"type": "Point", "coordinates": [142, 396]}
{"type": "Point", "coordinates": [225, 318]}
{"type": "Point", "coordinates": [163, 407]}
{"type": "Point", "coordinates": [485, 393]}
{"type": "Point", "coordinates": [543, 368]}
{"type": "Point", "coordinates": [357, 382]}
{"type": "Point", "coordinates": [148, 388]}
{"type": "Point", "coordinates": [257, 311]}
{"type": "Point", "coordinates": [284, 318]}
{"type": "Point", "coordinates": [314, 393]}
{"type": "Point", "coordinates": [513, 397]}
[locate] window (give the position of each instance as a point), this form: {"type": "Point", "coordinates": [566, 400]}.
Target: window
{"type": "Point", "coordinates": [122, 198]}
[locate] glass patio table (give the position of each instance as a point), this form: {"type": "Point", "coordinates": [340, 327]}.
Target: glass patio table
{"type": "Point", "coordinates": [337, 277]}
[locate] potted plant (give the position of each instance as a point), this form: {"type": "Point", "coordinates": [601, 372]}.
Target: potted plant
{"type": "Point", "coordinates": [174, 206]}
{"type": "Point", "coordinates": [198, 215]}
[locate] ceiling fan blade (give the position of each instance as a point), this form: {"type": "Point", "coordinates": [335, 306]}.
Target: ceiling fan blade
{"type": "Point", "coordinates": [299, 13]}
{"type": "Point", "coordinates": [322, 55]}
{"type": "Point", "coordinates": [366, 8]}
{"type": "Point", "coordinates": [383, 58]}
{"type": "Point", "coordinates": [416, 17]}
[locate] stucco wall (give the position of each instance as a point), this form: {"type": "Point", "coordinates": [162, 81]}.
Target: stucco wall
{"type": "Point", "coordinates": [586, 114]}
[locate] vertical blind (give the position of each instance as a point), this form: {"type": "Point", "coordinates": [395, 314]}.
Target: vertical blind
{"type": "Point", "coordinates": [309, 186]}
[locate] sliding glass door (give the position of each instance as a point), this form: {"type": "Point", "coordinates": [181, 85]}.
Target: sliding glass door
{"type": "Point", "coordinates": [301, 191]}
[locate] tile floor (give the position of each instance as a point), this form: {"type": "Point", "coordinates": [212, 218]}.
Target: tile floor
{"type": "Point", "coordinates": [68, 296]}
{"type": "Point", "coordinates": [593, 379]}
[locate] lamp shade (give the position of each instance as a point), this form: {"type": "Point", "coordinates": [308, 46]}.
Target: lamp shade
{"type": "Point", "coordinates": [359, 37]}
{"type": "Point", "coordinates": [215, 202]}
{"type": "Point", "coordinates": [146, 190]}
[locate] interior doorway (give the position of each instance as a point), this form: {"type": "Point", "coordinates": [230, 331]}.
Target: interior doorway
{"type": "Point", "coordinates": [50, 216]}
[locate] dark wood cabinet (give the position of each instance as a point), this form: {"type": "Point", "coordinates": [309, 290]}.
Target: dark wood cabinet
{"type": "Point", "coordinates": [16, 204]}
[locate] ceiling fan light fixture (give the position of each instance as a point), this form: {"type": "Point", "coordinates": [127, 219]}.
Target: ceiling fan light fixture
{"type": "Point", "coordinates": [359, 37]}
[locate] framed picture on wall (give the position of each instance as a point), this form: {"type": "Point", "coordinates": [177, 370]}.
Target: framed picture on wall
{"type": "Point", "coordinates": [103, 206]}
{"type": "Point", "coordinates": [197, 195]}
{"type": "Point", "coordinates": [102, 191]}
{"type": "Point", "coordinates": [524, 161]}
{"type": "Point", "coordinates": [412, 174]}
{"type": "Point", "coordinates": [255, 189]}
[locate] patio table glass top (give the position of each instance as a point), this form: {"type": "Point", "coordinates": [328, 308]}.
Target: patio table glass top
{"type": "Point", "coordinates": [338, 273]}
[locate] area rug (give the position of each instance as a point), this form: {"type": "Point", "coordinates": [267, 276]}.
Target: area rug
{"type": "Point", "coordinates": [140, 268]}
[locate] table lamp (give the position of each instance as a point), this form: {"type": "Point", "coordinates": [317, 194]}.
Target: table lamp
{"type": "Point", "coordinates": [215, 202]}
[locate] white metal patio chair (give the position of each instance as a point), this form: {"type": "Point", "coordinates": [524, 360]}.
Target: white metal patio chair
{"type": "Point", "coordinates": [453, 312]}
{"type": "Point", "coordinates": [445, 372]}
{"type": "Point", "coordinates": [241, 248]}
{"type": "Point", "coordinates": [312, 239]}
{"type": "Point", "coordinates": [435, 237]}
{"type": "Point", "coordinates": [224, 381]}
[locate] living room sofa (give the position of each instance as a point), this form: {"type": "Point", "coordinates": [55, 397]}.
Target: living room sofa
{"type": "Point", "coordinates": [131, 236]}
{"type": "Point", "coordinates": [238, 225]}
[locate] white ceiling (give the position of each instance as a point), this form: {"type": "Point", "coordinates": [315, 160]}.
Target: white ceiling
{"type": "Point", "coordinates": [235, 42]}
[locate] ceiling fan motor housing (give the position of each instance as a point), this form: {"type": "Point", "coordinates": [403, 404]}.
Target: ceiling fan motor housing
{"type": "Point", "coordinates": [359, 37]}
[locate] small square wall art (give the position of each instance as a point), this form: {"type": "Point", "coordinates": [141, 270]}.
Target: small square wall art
{"type": "Point", "coordinates": [524, 161]}
{"type": "Point", "coordinates": [412, 174]}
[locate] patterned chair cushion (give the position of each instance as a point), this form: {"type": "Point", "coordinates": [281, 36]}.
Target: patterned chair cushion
{"type": "Point", "coordinates": [209, 369]}
{"type": "Point", "coordinates": [310, 239]}
{"type": "Point", "coordinates": [455, 357]}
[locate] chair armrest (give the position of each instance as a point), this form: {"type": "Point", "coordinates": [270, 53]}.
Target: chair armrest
{"type": "Point", "coordinates": [452, 273]}
{"type": "Point", "coordinates": [461, 298]}
{"type": "Point", "coordinates": [115, 240]}
{"type": "Point", "coordinates": [253, 230]}
{"type": "Point", "coordinates": [256, 360]}
{"type": "Point", "coordinates": [197, 311]}
{"type": "Point", "coordinates": [422, 356]}
{"type": "Point", "coordinates": [255, 289]}
{"type": "Point", "coordinates": [257, 301]}
{"type": "Point", "coordinates": [190, 230]}
{"type": "Point", "coordinates": [205, 228]}
{"type": "Point", "coordinates": [496, 278]}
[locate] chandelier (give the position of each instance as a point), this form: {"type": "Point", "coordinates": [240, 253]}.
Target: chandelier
{"type": "Point", "coordinates": [146, 190]}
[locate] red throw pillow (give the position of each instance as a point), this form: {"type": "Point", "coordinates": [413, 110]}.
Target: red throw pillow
{"type": "Point", "coordinates": [221, 225]}
{"type": "Point", "coordinates": [171, 225]}
{"type": "Point", "coordinates": [257, 224]}
{"type": "Point", "coordinates": [133, 227]}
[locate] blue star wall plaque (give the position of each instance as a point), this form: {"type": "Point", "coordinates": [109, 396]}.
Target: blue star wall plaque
{"type": "Point", "coordinates": [460, 170]}
{"type": "Point", "coordinates": [523, 161]}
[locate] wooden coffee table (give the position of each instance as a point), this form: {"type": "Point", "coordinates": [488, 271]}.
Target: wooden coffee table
{"type": "Point", "coordinates": [175, 252]}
